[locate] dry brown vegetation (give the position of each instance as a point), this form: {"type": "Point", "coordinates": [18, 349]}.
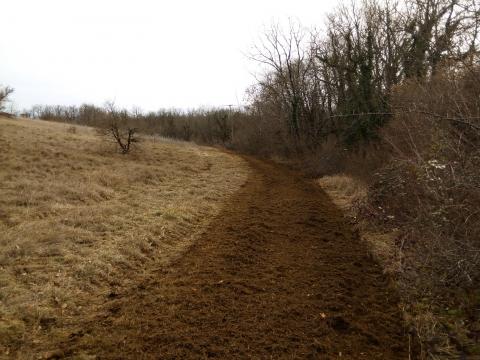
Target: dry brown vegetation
{"type": "Point", "coordinates": [343, 189]}
{"type": "Point", "coordinates": [76, 217]}
{"type": "Point", "coordinates": [420, 215]}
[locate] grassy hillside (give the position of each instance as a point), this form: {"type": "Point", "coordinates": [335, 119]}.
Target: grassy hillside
{"type": "Point", "coordinates": [78, 220]}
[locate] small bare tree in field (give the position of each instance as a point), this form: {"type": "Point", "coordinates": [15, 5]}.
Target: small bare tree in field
{"type": "Point", "coordinates": [4, 94]}
{"type": "Point", "coordinates": [124, 138]}
{"type": "Point", "coordinates": [118, 128]}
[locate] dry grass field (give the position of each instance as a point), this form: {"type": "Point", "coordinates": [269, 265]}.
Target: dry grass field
{"type": "Point", "coordinates": [78, 220]}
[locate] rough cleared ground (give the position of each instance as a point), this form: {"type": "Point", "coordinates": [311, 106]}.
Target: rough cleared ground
{"type": "Point", "coordinates": [276, 275]}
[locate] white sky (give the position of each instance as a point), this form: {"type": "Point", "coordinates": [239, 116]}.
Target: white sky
{"type": "Point", "coordinates": [151, 54]}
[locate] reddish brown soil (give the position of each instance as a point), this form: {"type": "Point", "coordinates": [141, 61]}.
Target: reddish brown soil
{"type": "Point", "coordinates": [278, 275]}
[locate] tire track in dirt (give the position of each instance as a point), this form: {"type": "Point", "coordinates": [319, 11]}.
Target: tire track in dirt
{"type": "Point", "coordinates": [278, 274]}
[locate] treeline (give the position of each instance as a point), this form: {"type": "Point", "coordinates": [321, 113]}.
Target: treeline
{"type": "Point", "coordinates": [207, 126]}
{"type": "Point", "coordinates": [340, 81]}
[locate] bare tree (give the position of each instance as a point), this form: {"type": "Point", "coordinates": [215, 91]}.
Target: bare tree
{"type": "Point", "coordinates": [4, 94]}
{"type": "Point", "coordinates": [118, 128]}
{"type": "Point", "coordinates": [287, 58]}
{"type": "Point", "coordinates": [439, 31]}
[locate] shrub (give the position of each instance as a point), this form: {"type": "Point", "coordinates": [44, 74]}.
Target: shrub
{"type": "Point", "coordinates": [430, 191]}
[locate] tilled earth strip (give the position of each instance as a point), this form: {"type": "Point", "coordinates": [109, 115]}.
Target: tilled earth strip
{"type": "Point", "coordinates": [278, 275]}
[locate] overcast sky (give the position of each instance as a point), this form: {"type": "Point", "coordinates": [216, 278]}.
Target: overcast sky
{"type": "Point", "coordinates": [151, 54]}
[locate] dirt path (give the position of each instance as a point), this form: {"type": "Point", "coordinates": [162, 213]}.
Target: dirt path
{"type": "Point", "coordinates": [277, 275]}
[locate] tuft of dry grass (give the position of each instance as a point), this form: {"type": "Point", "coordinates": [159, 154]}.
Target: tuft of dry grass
{"type": "Point", "coordinates": [78, 220]}
{"type": "Point", "coordinates": [344, 190]}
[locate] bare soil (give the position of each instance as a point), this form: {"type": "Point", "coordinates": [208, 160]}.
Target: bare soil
{"type": "Point", "coordinates": [278, 274]}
